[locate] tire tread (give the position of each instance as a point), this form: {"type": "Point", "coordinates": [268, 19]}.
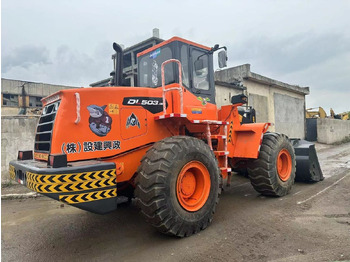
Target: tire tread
{"type": "Point", "coordinates": [151, 181]}
{"type": "Point", "coordinates": [263, 172]}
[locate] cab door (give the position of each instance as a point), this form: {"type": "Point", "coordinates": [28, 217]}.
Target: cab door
{"type": "Point", "coordinates": [201, 75]}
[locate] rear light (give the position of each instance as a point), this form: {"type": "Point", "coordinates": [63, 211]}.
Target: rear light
{"type": "Point", "coordinates": [57, 161]}
{"type": "Point", "coordinates": [25, 155]}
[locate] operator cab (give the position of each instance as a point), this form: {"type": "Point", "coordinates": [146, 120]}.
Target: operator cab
{"type": "Point", "coordinates": [197, 66]}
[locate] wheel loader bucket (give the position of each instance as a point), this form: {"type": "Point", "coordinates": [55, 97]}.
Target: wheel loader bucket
{"type": "Point", "coordinates": [307, 166]}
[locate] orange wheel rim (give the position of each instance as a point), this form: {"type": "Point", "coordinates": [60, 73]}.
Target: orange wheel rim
{"type": "Point", "coordinates": [193, 186]}
{"type": "Point", "coordinates": [284, 165]}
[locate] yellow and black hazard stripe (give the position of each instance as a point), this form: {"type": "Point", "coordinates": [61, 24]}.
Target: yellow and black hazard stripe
{"type": "Point", "coordinates": [88, 197]}
{"type": "Point", "coordinates": [12, 172]}
{"type": "Point", "coordinates": [61, 183]}
{"type": "Point", "coordinates": [71, 187]}
{"type": "Point", "coordinates": [70, 178]}
{"type": "Point", "coordinates": [230, 130]}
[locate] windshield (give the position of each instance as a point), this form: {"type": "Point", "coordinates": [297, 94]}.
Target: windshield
{"type": "Point", "coordinates": [150, 68]}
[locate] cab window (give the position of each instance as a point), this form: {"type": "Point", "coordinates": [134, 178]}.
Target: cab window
{"type": "Point", "coordinates": [184, 64]}
{"type": "Point", "coordinates": [200, 69]}
{"type": "Point", "coordinates": [150, 68]}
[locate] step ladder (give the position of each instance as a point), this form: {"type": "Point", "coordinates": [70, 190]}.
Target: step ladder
{"type": "Point", "coordinates": [221, 152]}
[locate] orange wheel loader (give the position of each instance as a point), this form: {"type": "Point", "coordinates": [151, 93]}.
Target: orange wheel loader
{"type": "Point", "coordinates": [164, 143]}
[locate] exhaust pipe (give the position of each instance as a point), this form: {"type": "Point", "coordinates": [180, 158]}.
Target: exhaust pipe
{"type": "Point", "coordinates": [117, 74]}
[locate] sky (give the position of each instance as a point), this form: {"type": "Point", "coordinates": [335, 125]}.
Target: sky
{"type": "Point", "coordinates": [306, 43]}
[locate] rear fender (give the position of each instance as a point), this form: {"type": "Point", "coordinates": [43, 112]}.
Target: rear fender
{"type": "Point", "coordinates": [243, 141]}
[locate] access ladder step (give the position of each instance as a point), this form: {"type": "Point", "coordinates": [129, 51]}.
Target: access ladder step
{"type": "Point", "coordinates": [177, 115]}
{"type": "Point", "coordinates": [218, 137]}
{"type": "Point", "coordinates": [172, 115]}
{"type": "Point", "coordinates": [221, 153]}
{"type": "Point", "coordinates": [210, 122]}
{"type": "Point", "coordinates": [225, 169]}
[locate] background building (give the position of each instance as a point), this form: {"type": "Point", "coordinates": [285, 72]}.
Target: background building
{"type": "Point", "coordinates": [24, 98]}
{"type": "Point", "coordinates": [20, 110]}
{"type": "Point", "coordinates": [274, 101]}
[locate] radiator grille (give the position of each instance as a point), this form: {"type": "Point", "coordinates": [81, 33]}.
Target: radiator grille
{"type": "Point", "coordinates": [45, 127]}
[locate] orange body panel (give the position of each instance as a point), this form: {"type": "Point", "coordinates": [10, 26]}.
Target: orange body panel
{"type": "Point", "coordinates": [117, 124]}
{"type": "Point", "coordinates": [115, 116]}
{"type": "Point", "coordinates": [128, 163]}
{"type": "Point", "coordinates": [243, 140]}
{"type": "Point", "coordinates": [195, 107]}
{"type": "Point", "coordinates": [128, 124]}
{"type": "Point", "coordinates": [131, 131]}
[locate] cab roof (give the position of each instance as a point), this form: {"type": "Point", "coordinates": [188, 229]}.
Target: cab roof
{"type": "Point", "coordinates": [175, 38]}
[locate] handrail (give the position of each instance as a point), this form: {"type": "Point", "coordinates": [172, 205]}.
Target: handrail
{"type": "Point", "coordinates": [180, 88]}
{"type": "Point", "coordinates": [77, 98]}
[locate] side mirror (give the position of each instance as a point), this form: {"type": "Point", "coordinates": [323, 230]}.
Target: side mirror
{"type": "Point", "coordinates": [222, 58]}
{"type": "Point", "coordinates": [198, 66]}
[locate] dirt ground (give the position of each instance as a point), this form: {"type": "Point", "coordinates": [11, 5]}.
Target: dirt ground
{"type": "Point", "coordinates": [312, 223]}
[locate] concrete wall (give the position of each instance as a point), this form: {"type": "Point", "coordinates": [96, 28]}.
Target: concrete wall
{"type": "Point", "coordinates": [332, 130]}
{"type": "Point", "coordinates": [289, 115]}
{"type": "Point", "coordinates": [17, 133]}
{"type": "Point", "coordinates": [33, 94]}
{"type": "Point", "coordinates": [262, 90]}
{"type": "Point", "coordinates": [283, 99]}
{"type": "Point", "coordinates": [260, 104]}
{"type": "Point", "coordinates": [9, 110]}
{"type": "Point", "coordinates": [275, 105]}
{"type": "Point", "coordinates": [272, 104]}
{"type": "Point", "coordinates": [223, 95]}
{"type": "Point", "coordinates": [274, 101]}
{"type": "Point", "coordinates": [10, 86]}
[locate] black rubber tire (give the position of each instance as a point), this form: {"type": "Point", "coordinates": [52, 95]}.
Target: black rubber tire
{"type": "Point", "coordinates": [263, 171]}
{"type": "Point", "coordinates": [156, 185]}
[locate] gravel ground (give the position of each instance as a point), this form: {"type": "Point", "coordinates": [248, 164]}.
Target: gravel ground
{"type": "Point", "coordinates": [312, 223]}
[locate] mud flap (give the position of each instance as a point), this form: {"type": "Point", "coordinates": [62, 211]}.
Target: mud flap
{"type": "Point", "coordinates": [308, 168]}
